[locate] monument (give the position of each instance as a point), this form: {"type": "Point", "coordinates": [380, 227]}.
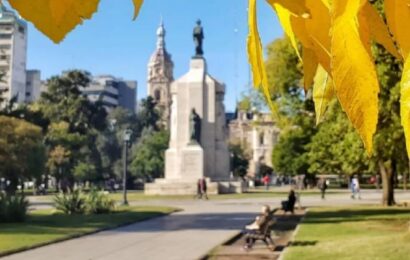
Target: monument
{"type": "Point", "coordinates": [198, 140]}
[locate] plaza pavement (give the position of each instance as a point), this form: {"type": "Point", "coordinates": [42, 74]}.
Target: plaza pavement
{"type": "Point", "coordinates": [189, 234]}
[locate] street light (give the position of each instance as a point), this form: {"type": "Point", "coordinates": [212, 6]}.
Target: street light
{"type": "Point", "coordinates": [232, 156]}
{"type": "Point", "coordinates": [127, 139]}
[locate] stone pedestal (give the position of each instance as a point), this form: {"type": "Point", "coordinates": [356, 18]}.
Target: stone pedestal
{"type": "Point", "coordinates": [185, 162]}
{"type": "Point", "coordinates": [192, 162]}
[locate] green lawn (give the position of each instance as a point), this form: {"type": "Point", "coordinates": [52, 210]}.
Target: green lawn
{"type": "Point", "coordinates": [253, 193]}
{"type": "Point", "coordinates": [355, 233]}
{"type": "Point", "coordinates": [45, 226]}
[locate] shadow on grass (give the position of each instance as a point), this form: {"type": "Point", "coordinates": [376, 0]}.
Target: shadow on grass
{"type": "Point", "coordinates": [354, 215]}
{"type": "Point", "coordinates": [300, 243]}
{"type": "Point", "coordinates": [59, 223]}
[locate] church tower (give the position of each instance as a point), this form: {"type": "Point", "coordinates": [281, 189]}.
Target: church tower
{"type": "Point", "coordinates": [161, 75]}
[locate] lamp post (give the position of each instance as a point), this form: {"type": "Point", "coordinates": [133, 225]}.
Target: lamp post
{"type": "Point", "coordinates": [127, 139]}
{"type": "Point", "coordinates": [231, 155]}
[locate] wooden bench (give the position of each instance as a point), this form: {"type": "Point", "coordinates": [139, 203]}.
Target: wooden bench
{"type": "Point", "coordinates": [264, 235]}
{"type": "Point", "coordinates": [288, 207]}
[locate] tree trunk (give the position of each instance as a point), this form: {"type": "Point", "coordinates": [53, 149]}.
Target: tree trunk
{"type": "Point", "coordinates": [387, 183]}
{"type": "Point", "coordinates": [405, 178]}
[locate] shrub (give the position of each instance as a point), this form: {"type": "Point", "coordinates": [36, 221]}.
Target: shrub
{"type": "Point", "coordinates": [98, 203]}
{"type": "Point", "coordinates": [13, 208]}
{"type": "Point", "coordinates": [70, 203]}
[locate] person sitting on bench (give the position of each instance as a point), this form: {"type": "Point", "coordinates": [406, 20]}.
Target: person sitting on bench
{"type": "Point", "coordinates": [258, 228]}
{"type": "Point", "coordinates": [289, 205]}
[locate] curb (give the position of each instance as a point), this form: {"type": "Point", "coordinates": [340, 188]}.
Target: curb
{"type": "Point", "coordinates": [227, 241]}
{"type": "Point", "coordinates": [282, 255]}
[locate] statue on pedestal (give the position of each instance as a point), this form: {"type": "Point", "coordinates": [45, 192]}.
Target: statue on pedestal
{"type": "Point", "coordinates": [198, 39]}
{"type": "Point", "coordinates": [195, 127]}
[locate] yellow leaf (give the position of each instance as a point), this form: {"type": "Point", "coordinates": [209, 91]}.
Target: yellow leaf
{"type": "Point", "coordinates": [378, 29]}
{"type": "Point", "coordinates": [405, 103]}
{"type": "Point", "coordinates": [353, 71]}
{"type": "Point", "coordinates": [284, 16]}
{"type": "Point", "coordinates": [255, 55]}
{"type": "Point", "coordinates": [55, 18]}
{"type": "Point", "coordinates": [255, 51]}
{"type": "Point", "coordinates": [137, 4]}
{"type": "Point", "coordinates": [310, 66]}
{"type": "Point", "coordinates": [318, 28]}
{"type": "Point", "coordinates": [296, 7]}
{"type": "Point", "coordinates": [398, 19]}
{"type": "Point", "coordinates": [322, 92]}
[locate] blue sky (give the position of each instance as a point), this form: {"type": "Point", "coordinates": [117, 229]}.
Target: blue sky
{"type": "Point", "coordinates": [111, 43]}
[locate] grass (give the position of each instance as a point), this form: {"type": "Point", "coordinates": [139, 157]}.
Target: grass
{"type": "Point", "coordinates": [355, 233]}
{"type": "Point", "coordinates": [253, 193]}
{"type": "Point", "coordinates": [46, 226]}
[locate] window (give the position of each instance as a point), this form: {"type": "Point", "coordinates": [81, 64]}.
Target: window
{"type": "Point", "coordinates": [5, 46]}
{"type": "Point", "coordinates": [5, 36]}
{"type": "Point", "coordinates": [261, 139]}
{"type": "Point", "coordinates": [21, 29]}
{"type": "Point", "coordinates": [157, 94]}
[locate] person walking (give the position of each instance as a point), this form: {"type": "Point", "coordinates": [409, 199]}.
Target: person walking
{"type": "Point", "coordinates": [323, 187]}
{"type": "Point", "coordinates": [355, 186]}
{"type": "Point", "coordinates": [266, 181]}
{"type": "Point", "coordinates": [202, 187]}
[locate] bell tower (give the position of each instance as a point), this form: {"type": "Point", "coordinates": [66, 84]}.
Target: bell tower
{"type": "Point", "coordinates": [161, 75]}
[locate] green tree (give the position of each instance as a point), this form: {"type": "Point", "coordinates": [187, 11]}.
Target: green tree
{"type": "Point", "coordinates": [289, 156]}
{"type": "Point", "coordinates": [74, 121]}
{"type": "Point", "coordinates": [149, 155]}
{"type": "Point", "coordinates": [336, 147]}
{"type": "Point", "coordinates": [240, 160]}
{"type": "Point", "coordinates": [84, 172]}
{"type": "Point", "coordinates": [149, 116]}
{"type": "Point", "coordinates": [389, 143]}
{"type": "Point", "coordinates": [64, 101]}
{"type": "Point", "coordinates": [21, 151]}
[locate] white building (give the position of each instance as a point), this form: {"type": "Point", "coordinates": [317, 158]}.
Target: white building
{"type": "Point", "coordinates": [33, 86]}
{"type": "Point", "coordinates": [13, 55]}
{"type": "Point", "coordinates": [257, 134]}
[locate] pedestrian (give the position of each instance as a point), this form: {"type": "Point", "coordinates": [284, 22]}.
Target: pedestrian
{"type": "Point", "coordinates": [202, 188]}
{"type": "Point", "coordinates": [266, 181]}
{"type": "Point", "coordinates": [198, 189]}
{"type": "Point", "coordinates": [323, 187]}
{"type": "Point", "coordinates": [355, 186]}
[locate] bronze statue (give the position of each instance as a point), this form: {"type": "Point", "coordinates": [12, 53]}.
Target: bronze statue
{"type": "Point", "coordinates": [195, 127]}
{"type": "Point", "coordinates": [198, 39]}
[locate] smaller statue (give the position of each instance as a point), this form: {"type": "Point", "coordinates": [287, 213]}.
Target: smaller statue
{"type": "Point", "coordinates": [198, 39]}
{"type": "Point", "coordinates": [195, 127]}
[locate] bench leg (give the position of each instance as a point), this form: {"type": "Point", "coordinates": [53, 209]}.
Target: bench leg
{"type": "Point", "coordinates": [270, 243]}
{"type": "Point", "coordinates": [249, 242]}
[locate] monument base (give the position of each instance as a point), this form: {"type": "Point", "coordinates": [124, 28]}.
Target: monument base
{"type": "Point", "coordinates": [189, 187]}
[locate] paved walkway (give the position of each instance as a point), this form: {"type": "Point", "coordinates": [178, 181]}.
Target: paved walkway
{"type": "Point", "coordinates": [184, 235]}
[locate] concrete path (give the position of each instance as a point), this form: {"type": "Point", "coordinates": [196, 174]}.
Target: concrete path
{"type": "Point", "coordinates": [184, 235]}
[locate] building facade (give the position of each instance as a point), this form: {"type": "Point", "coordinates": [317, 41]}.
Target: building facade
{"type": "Point", "coordinates": [33, 86]}
{"type": "Point", "coordinates": [13, 55]}
{"type": "Point", "coordinates": [160, 76]}
{"type": "Point", "coordinates": [112, 92]}
{"type": "Point", "coordinates": [257, 134]}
